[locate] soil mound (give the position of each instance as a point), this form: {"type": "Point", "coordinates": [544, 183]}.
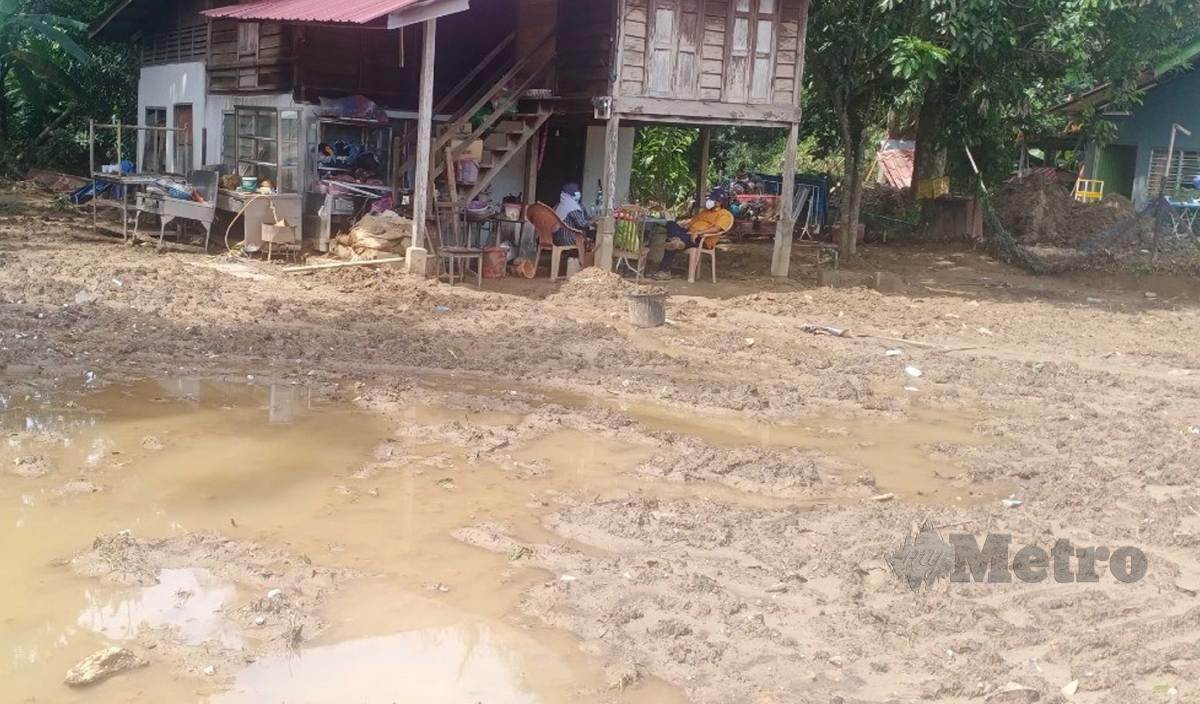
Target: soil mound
{"type": "Point", "coordinates": [594, 284]}
{"type": "Point", "coordinates": [1039, 210]}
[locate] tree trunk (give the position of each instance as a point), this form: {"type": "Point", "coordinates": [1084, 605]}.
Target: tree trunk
{"type": "Point", "coordinates": [852, 140]}
{"type": "Point", "coordinates": [4, 105]}
{"type": "Point", "coordinates": [929, 160]}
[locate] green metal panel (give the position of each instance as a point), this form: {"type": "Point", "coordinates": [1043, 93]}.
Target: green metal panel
{"type": "Point", "coordinates": [1116, 167]}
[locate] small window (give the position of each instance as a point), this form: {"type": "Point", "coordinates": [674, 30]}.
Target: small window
{"type": "Point", "coordinates": [1185, 166]}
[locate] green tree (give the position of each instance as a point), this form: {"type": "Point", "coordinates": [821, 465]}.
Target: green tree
{"type": "Point", "coordinates": [664, 170]}
{"type": "Point", "coordinates": [53, 78]}
{"type": "Point", "coordinates": [850, 79]}
{"type": "Point", "coordinates": [982, 72]}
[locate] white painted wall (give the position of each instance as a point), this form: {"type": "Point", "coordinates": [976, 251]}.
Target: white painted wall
{"type": "Point", "coordinates": [165, 87]}
{"type": "Point", "coordinates": [593, 163]}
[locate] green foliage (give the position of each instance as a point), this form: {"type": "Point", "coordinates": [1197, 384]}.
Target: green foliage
{"type": "Point", "coordinates": [914, 58]}
{"type": "Point", "coordinates": [53, 78]}
{"type": "Point", "coordinates": [666, 160]}
{"type": "Point", "coordinates": [663, 166]}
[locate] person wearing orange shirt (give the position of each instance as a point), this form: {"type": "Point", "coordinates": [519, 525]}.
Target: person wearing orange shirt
{"type": "Point", "coordinates": [715, 219]}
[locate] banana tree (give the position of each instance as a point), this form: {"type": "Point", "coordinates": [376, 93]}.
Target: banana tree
{"type": "Point", "coordinates": [34, 45]}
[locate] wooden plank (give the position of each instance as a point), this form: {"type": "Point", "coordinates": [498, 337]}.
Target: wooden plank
{"type": "Point", "coordinates": [708, 111]}
{"type": "Point", "coordinates": [702, 167]}
{"type": "Point", "coordinates": [781, 257]}
{"type": "Point", "coordinates": [339, 265]}
{"type": "Point", "coordinates": [606, 229]}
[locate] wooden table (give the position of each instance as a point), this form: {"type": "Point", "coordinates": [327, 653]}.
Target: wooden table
{"type": "Point", "coordinates": [258, 208]}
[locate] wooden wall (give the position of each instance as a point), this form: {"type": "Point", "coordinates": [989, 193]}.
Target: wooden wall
{"type": "Point", "coordinates": [334, 62]}
{"type": "Point", "coordinates": [585, 36]}
{"type": "Point", "coordinates": [729, 51]}
{"type": "Point", "coordinates": [249, 57]}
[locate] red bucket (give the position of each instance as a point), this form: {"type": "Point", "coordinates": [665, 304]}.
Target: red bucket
{"type": "Point", "coordinates": [494, 261]}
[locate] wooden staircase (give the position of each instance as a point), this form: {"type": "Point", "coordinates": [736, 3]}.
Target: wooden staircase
{"type": "Point", "coordinates": [504, 132]}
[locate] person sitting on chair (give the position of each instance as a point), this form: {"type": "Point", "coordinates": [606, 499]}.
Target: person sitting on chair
{"type": "Point", "coordinates": [573, 215]}
{"type": "Point", "coordinates": [713, 220]}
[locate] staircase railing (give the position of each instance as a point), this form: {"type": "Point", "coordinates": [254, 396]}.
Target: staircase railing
{"type": "Point", "coordinates": [479, 99]}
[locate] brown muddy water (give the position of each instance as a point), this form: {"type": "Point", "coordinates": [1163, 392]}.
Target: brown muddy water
{"type": "Point", "coordinates": [425, 617]}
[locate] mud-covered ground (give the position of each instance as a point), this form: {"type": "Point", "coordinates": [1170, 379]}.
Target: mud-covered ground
{"type": "Point", "coordinates": [740, 556]}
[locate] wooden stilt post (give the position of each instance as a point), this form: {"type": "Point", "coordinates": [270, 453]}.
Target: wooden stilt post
{"type": "Point", "coordinates": [421, 184]}
{"type": "Point", "coordinates": [781, 259]}
{"type": "Point", "coordinates": [606, 227]}
{"type": "Point", "coordinates": [532, 150]}
{"type": "Point", "coordinates": [702, 172]}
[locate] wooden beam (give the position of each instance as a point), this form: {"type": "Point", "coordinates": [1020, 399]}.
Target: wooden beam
{"type": "Point", "coordinates": [702, 171]}
{"type": "Point", "coordinates": [341, 265]}
{"type": "Point", "coordinates": [421, 184]}
{"type": "Point", "coordinates": [705, 111]}
{"type": "Point", "coordinates": [781, 258]}
{"type": "Point", "coordinates": [607, 226]}
{"type": "Point", "coordinates": [533, 149]}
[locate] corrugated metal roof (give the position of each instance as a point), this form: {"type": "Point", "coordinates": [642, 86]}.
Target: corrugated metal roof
{"type": "Point", "coordinates": [896, 167]}
{"type": "Point", "coordinates": [339, 11]}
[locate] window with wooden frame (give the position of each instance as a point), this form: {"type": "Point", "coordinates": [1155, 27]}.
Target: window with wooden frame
{"type": "Point", "coordinates": [766, 21]}
{"type": "Point", "coordinates": [229, 140]}
{"type": "Point", "coordinates": [750, 50]}
{"type": "Point", "coordinates": [267, 146]}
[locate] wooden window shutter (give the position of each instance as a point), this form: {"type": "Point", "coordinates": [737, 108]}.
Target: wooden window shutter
{"type": "Point", "coordinates": [660, 64]}
{"type": "Point", "coordinates": [687, 57]}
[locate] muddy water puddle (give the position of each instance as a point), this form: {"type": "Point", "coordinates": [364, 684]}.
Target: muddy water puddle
{"type": "Point", "coordinates": [424, 618]}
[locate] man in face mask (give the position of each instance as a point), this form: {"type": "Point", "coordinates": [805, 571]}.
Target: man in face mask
{"type": "Point", "coordinates": [570, 211]}
{"type": "Point", "coordinates": [715, 219]}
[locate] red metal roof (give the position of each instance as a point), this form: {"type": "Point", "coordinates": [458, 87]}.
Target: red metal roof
{"type": "Point", "coordinates": [896, 167]}
{"type": "Point", "coordinates": [339, 11]}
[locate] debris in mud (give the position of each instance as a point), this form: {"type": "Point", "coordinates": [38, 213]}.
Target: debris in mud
{"type": "Point", "coordinates": [824, 330]}
{"type": "Point", "coordinates": [778, 471]}
{"type": "Point", "coordinates": [293, 590]}
{"type": "Point", "coordinates": [31, 466]}
{"type": "Point", "coordinates": [101, 665]}
{"type": "Point", "coordinates": [77, 487]}
{"type": "Point", "coordinates": [1013, 693]}
{"type": "Point", "coordinates": [152, 443]}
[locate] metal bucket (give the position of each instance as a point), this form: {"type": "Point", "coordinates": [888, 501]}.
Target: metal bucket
{"type": "Point", "coordinates": [647, 310]}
